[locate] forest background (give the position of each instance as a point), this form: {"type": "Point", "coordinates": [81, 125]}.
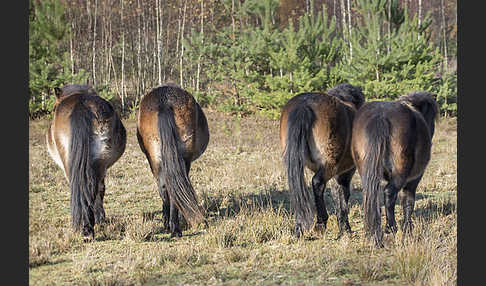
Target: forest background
{"type": "Point", "coordinates": [242, 56]}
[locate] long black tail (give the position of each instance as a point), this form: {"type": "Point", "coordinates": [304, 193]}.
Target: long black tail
{"type": "Point", "coordinates": [173, 171]}
{"type": "Point", "coordinates": [82, 176]}
{"type": "Point", "coordinates": [300, 121]}
{"type": "Point", "coordinates": [378, 134]}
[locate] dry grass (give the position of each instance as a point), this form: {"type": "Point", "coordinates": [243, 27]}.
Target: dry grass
{"type": "Point", "coordinates": [241, 183]}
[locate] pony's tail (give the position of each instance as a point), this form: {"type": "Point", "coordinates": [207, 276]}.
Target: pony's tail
{"type": "Point", "coordinates": [173, 171]}
{"type": "Point", "coordinates": [300, 121]}
{"type": "Point", "coordinates": [82, 175]}
{"type": "Point", "coordinates": [378, 133]}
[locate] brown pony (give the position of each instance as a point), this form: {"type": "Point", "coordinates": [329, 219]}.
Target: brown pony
{"type": "Point", "coordinates": [315, 132]}
{"type": "Point", "coordinates": [172, 131]}
{"type": "Point", "coordinates": [392, 141]}
{"type": "Point", "coordinates": [86, 137]}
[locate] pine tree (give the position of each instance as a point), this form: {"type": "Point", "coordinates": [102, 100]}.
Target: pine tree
{"type": "Point", "coordinates": [49, 64]}
{"type": "Point", "coordinates": [391, 62]}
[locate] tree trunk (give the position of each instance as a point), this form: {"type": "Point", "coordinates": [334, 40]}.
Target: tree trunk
{"type": "Point", "coordinates": [179, 26]}
{"type": "Point", "coordinates": [161, 23]}
{"type": "Point", "coordinates": [159, 41]}
{"type": "Point", "coordinates": [154, 50]}
{"type": "Point", "coordinates": [445, 46]}
{"type": "Point", "coordinates": [123, 59]}
{"type": "Point", "coordinates": [112, 65]}
{"type": "Point", "coordinates": [110, 58]}
{"type": "Point", "coordinates": [240, 16]}
{"type": "Point", "coordinates": [343, 25]}
{"type": "Point", "coordinates": [419, 14]}
{"type": "Point", "coordinates": [334, 8]}
{"type": "Point", "coordinates": [86, 55]}
{"type": "Point", "coordinates": [139, 49]}
{"type": "Point", "coordinates": [166, 58]}
{"type": "Point", "coordinates": [107, 46]}
{"type": "Point", "coordinates": [233, 17]}
{"type": "Point", "coordinates": [71, 52]}
{"type": "Point", "coordinates": [202, 43]}
{"type": "Point", "coordinates": [388, 46]}
{"type": "Point", "coordinates": [444, 28]}
{"type": "Point", "coordinates": [182, 46]}
{"type": "Point", "coordinates": [94, 42]}
{"type": "Point", "coordinates": [349, 33]}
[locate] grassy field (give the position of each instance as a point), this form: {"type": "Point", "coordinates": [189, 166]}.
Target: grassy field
{"type": "Point", "coordinates": [241, 183]}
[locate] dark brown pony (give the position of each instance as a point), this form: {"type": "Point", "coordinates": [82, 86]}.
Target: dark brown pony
{"type": "Point", "coordinates": [315, 132]}
{"type": "Point", "coordinates": [392, 141]}
{"type": "Point", "coordinates": [172, 131]}
{"type": "Point", "coordinates": [85, 138]}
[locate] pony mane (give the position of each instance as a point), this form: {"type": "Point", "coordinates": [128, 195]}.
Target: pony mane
{"type": "Point", "coordinates": [424, 102]}
{"type": "Point", "coordinates": [71, 89]}
{"type": "Point", "coordinates": [348, 93]}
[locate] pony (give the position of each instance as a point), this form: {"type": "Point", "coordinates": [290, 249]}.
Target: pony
{"type": "Point", "coordinates": [392, 141]}
{"type": "Point", "coordinates": [315, 132]}
{"type": "Point", "coordinates": [172, 132]}
{"type": "Point", "coordinates": [85, 138]}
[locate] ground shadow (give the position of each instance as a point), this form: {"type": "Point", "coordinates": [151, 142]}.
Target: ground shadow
{"type": "Point", "coordinates": [270, 198]}
{"type": "Point", "coordinates": [39, 264]}
{"type": "Point", "coordinates": [435, 207]}
{"type": "Point", "coordinates": [275, 198]}
{"type": "Point", "coordinates": [230, 205]}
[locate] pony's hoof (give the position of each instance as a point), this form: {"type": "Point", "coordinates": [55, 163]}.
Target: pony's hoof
{"type": "Point", "coordinates": [378, 242]}
{"type": "Point", "coordinates": [298, 230]}
{"type": "Point", "coordinates": [176, 233]}
{"type": "Point", "coordinates": [206, 224]}
{"type": "Point", "coordinates": [320, 228]}
{"type": "Point", "coordinates": [407, 228]}
{"type": "Point", "coordinates": [88, 235]}
{"type": "Point", "coordinates": [390, 229]}
{"type": "Point", "coordinates": [100, 219]}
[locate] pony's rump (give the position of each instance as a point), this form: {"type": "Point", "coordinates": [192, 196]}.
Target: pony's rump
{"type": "Point", "coordinates": [172, 168]}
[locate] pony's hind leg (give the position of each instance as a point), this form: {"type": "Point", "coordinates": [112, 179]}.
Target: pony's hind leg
{"type": "Point", "coordinates": [340, 197]}
{"type": "Point", "coordinates": [318, 187]}
{"type": "Point", "coordinates": [99, 211]}
{"type": "Point", "coordinates": [174, 226]}
{"type": "Point", "coordinates": [407, 200]}
{"type": "Point", "coordinates": [174, 221]}
{"type": "Point", "coordinates": [390, 197]}
{"type": "Point", "coordinates": [169, 211]}
{"type": "Point", "coordinates": [164, 195]}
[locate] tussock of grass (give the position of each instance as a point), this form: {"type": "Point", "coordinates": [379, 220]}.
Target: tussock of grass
{"type": "Point", "coordinates": [140, 230]}
{"type": "Point", "coordinates": [427, 252]}
{"type": "Point", "coordinates": [241, 183]}
{"type": "Point", "coordinates": [45, 245]}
